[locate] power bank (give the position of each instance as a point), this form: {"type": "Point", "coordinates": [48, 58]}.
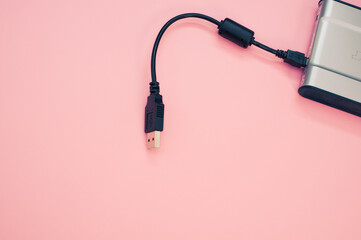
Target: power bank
{"type": "Point", "coordinates": [333, 74]}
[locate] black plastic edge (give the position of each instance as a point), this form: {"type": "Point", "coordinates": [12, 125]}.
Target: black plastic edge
{"type": "Point", "coordinates": [330, 99]}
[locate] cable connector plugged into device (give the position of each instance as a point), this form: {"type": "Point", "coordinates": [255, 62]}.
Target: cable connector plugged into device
{"type": "Point", "coordinates": [293, 58]}
{"type": "Point", "coordinates": [154, 116]}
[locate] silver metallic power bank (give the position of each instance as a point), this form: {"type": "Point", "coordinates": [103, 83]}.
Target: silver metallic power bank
{"type": "Point", "coordinates": [333, 74]}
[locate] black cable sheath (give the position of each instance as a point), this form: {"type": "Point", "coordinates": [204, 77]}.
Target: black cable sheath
{"type": "Point", "coordinates": [164, 28]}
{"type": "Point", "coordinates": [264, 47]}
{"type": "Point", "coordinates": [232, 31]}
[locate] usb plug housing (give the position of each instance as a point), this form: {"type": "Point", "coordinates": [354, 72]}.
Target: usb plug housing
{"type": "Point", "coordinates": [154, 118]}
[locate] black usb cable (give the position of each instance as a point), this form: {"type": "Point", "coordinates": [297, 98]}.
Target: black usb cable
{"type": "Point", "coordinates": [229, 29]}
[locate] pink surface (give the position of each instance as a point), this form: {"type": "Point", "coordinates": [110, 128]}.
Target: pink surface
{"type": "Point", "coordinates": [243, 156]}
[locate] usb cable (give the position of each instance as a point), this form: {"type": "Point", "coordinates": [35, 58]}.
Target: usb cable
{"type": "Point", "coordinates": [227, 28]}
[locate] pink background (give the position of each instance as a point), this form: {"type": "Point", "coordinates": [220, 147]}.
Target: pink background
{"type": "Point", "coordinates": [243, 156]}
